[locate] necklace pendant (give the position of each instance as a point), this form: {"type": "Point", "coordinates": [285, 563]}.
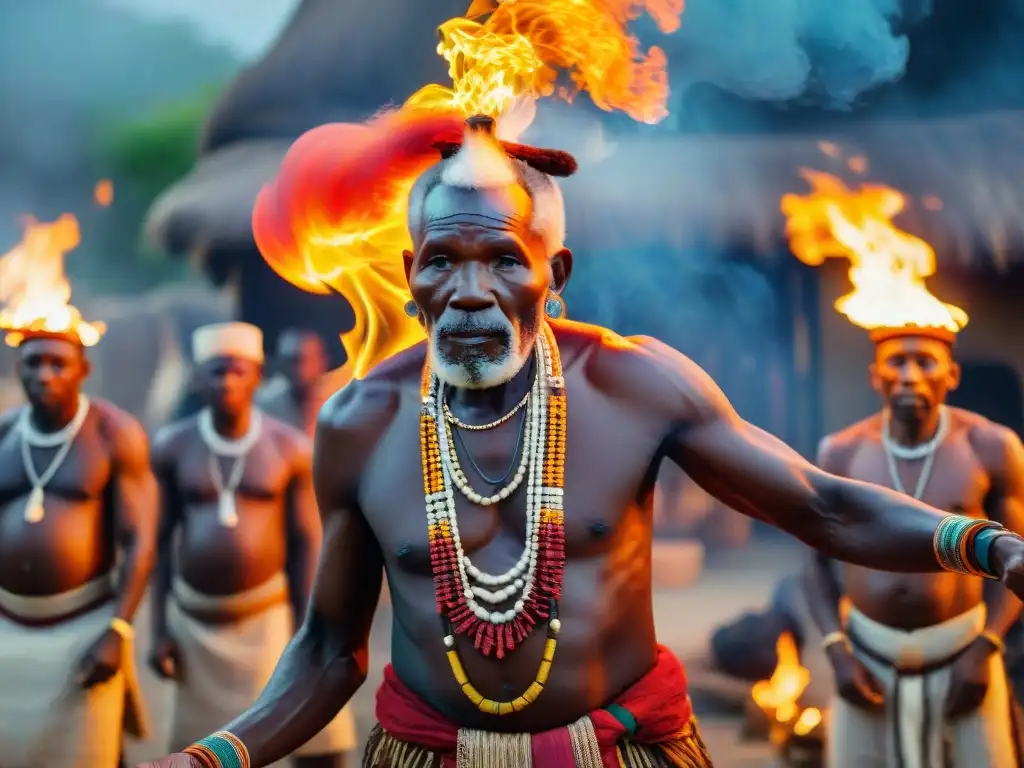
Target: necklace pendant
{"type": "Point", "coordinates": [34, 511]}
{"type": "Point", "coordinates": [227, 513]}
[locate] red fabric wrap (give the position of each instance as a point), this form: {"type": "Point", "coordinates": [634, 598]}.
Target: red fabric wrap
{"type": "Point", "coordinates": [658, 702]}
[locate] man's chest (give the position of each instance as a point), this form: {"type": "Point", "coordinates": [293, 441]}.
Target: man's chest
{"type": "Point", "coordinates": [607, 483]}
{"type": "Point", "coordinates": [262, 473]}
{"type": "Point", "coordinates": [80, 471]}
{"type": "Point", "coordinates": [953, 479]}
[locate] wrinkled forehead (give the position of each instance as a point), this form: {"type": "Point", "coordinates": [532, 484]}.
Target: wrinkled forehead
{"type": "Point", "coordinates": [507, 208]}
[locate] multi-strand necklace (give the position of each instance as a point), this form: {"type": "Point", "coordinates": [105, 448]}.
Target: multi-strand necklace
{"type": "Point", "coordinates": [62, 440]}
{"type": "Point", "coordinates": [236, 450]}
{"type": "Point", "coordinates": [498, 611]}
{"type": "Point", "coordinates": [926, 451]}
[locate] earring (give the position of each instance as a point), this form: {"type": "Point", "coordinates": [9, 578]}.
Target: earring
{"type": "Point", "coordinates": [411, 309]}
{"type": "Point", "coordinates": [554, 306]}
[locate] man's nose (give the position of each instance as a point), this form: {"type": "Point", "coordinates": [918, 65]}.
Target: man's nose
{"type": "Point", "coordinates": [911, 374]}
{"type": "Point", "coordinates": [473, 289]}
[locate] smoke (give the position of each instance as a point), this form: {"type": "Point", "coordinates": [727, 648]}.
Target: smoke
{"type": "Point", "coordinates": [828, 52]}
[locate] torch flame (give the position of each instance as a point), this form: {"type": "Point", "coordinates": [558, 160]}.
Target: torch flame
{"type": "Point", "coordinates": [35, 292]}
{"type": "Point", "coordinates": [780, 694]}
{"type": "Point", "coordinates": [888, 266]}
{"type": "Point", "coordinates": [334, 219]}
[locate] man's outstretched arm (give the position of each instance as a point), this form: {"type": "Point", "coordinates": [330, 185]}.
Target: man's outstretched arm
{"type": "Point", "coordinates": [758, 475]}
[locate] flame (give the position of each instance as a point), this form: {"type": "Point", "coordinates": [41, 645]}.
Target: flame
{"type": "Point", "coordinates": [103, 193]}
{"type": "Point", "coordinates": [888, 266]}
{"type": "Point", "coordinates": [779, 695]}
{"type": "Point", "coordinates": [327, 224]}
{"type": "Point", "coordinates": [35, 292]}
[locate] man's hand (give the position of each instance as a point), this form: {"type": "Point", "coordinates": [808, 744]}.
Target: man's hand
{"type": "Point", "coordinates": [969, 679]}
{"type": "Point", "coordinates": [165, 658]}
{"type": "Point", "coordinates": [102, 661]}
{"type": "Point", "coordinates": [1007, 559]}
{"type": "Point", "coordinates": [854, 683]}
{"type": "Point", "coordinates": [172, 761]}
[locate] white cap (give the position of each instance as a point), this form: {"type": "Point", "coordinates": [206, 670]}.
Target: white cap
{"type": "Point", "coordinates": [242, 340]}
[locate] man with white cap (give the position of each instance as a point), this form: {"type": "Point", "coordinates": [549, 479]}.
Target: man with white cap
{"type": "Point", "coordinates": [238, 545]}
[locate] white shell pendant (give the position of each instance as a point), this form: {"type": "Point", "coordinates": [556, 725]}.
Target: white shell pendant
{"type": "Point", "coordinates": [227, 514]}
{"type": "Point", "coordinates": [34, 511]}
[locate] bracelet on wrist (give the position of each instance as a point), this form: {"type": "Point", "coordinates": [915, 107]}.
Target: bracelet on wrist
{"type": "Point", "coordinates": [835, 638]}
{"type": "Point", "coordinates": [220, 750]}
{"type": "Point", "coordinates": [994, 640]}
{"type": "Point", "coordinates": [955, 544]}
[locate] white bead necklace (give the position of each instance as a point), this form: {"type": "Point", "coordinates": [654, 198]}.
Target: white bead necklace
{"type": "Point", "coordinates": [441, 506]}
{"type": "Point", "coordinates": [222, 447]}
{"type": "Point", "coordinates": [926, 451]}
{"type": "Point", "coordinates": [62, 439]}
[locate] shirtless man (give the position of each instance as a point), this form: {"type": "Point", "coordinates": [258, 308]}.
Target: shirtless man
{"type": "Point", "coordinates": [78, 516]}
{"type": "Point", "coordinates": [920, 662]}
{"type": "Point", "coordinates": [239, 503]}
{"type": "Point", "coordinates": [295, 396]}
{"type": "Point", "coordinates": [521, 636]}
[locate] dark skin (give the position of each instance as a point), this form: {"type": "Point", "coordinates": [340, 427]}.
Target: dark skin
{"type": "Point", "coordinates": [102, 501]}
{"type": "Point", "coordinates": [301, 359]}
{"type": "Point", "coordinates": [278, 525]}
{"type": "Point", "coordinates": [978, 471]}
{"type": "Point", "coordinates": [632, 404]}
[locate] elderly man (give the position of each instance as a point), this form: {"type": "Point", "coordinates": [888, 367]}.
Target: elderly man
{"type": "Point", "coordinates": [918, 661]}
{"type": "Point", "coordinates": [523, 623]}
{"type": "Point", "coordinates": [76, 495]}
{"type": "Point", "coordinates": [238, 546]}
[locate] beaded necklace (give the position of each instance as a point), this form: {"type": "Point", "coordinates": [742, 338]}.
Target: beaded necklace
{"type": "Point", "coordinates": [535, 581]}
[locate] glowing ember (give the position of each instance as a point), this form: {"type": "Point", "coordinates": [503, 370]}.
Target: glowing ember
{"type": "Point", "coordinates": [35, 292]}
{"type": "Point", "coordinates": [502, 57]}
{"type": "Point", "coordinates": [779, 695]}
{"type": "Point", "coordinates": [103, 193]}
{"type": "Point", "coordinates": [888, 267]}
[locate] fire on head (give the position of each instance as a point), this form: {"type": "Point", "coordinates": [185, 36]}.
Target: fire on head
{"type": "Point", "coordinates": [488, 234]}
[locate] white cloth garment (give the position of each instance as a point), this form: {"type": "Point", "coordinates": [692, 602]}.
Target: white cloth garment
{"type": "Point", "coordinates": [912, 732]}
{"type": "Point", "coordinates": [47, 720]}
{"type": "Point", "coordinates": [226, 665]}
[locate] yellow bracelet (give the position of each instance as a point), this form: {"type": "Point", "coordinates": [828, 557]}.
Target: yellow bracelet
{"type": "Point", "coordinates": [834, 638]}
{"type": "Point", "coordinates": [123, 628]}
{"type": "Point", "coordinates": [995, 640]}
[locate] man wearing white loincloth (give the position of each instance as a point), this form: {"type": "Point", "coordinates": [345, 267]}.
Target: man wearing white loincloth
{"type": "Point", "coordinates": [78, 511]}
{"type": "Point", "coordinates": [918, 657]}
{"type": "Point", "coordinates": [238, 546]}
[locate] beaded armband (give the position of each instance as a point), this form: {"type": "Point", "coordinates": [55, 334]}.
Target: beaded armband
{"type": "Point", "coordinates": [220, 750]}
{"type": "Point", "coordinates": [954, 542]}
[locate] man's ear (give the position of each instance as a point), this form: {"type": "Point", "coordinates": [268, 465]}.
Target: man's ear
{"type": "Point", "coordinates": [407, 258]}
{"type": "Point", "coordinates": [561, 268]}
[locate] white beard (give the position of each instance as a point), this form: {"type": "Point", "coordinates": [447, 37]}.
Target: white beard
{"type": "Point", "coordinates": [478, 373]}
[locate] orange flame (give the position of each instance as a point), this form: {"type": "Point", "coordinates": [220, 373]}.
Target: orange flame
{"type": "Point", "coordinates": [334, 219]}
{"type": "Point", "coordinates": [103, 193]}
{"type": "Point", "coordinates": [888, 266]}
{"type": "Point", "coordinates": [35, 292]}
{"type": "Point", "coordinates": [779, 695]}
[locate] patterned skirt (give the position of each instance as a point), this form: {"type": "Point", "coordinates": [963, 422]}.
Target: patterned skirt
{"type": "Point", "coordinates": [481, 749]}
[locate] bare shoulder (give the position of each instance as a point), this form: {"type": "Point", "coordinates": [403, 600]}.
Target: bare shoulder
{"type": "Point", "coordinates": [354, 418]}
{"type": "Point", "coordinates": [997, 447]}
{"type": "Point", "coordinates": [836, 449]}
{"type": "Point", "coordinates": [293, 443]}
{"type": "Point", "coordinates": [645, 372]}
{"type": "Point", "coordinates": [122, 432]}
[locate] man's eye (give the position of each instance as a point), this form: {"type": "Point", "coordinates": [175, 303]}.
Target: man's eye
{"type": "Point", "coordinates": [506, 262]}
{"type": "Point", "coordinates": [439, 262]}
